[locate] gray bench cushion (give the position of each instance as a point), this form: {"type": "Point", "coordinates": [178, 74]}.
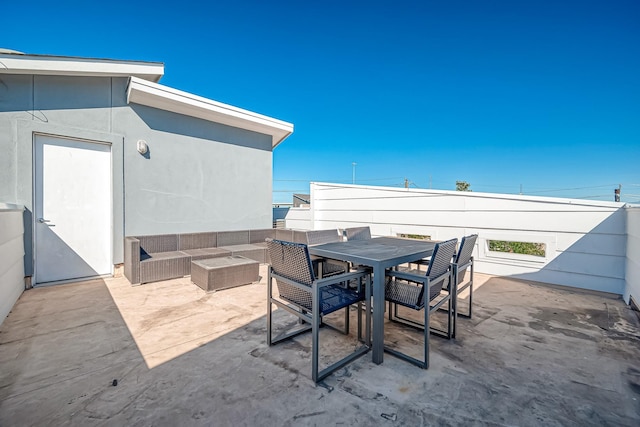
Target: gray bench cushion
{"type": "Point", "coordinates": [205, 253]}
{"type": "Point", "coordinates": [259, 236]}
{"type": "Point", "coordinates": [228, 238]}
{"type": "Point", "coordinates": [198, 240]}
{"type": "Point", "coordinates": [164, 265]}
{"type": "Point", "coordinates": [284, 234]}
{"type": "Point", "coordinates": [254, 252]}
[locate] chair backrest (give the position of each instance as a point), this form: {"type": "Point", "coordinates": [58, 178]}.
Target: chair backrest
{"type": "Point", "coordinates": [318, 237]}
{"type": "Point", "coordinates": [464, 254]}
{"type": "Point", "coordinates": [291, 260]}
{"type": "Point", "coordinates": [440, 263]}
{"type": "Point", "coordinates": [358, 233]}
{"type": "Point", "coordinates": [466, 249]}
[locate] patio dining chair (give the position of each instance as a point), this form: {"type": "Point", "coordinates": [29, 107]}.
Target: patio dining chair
{"type": "Point", "coordinates": [463, 261]}
{"type": "Point", "coordinates": [357, 233]}
{"type": "Point", "coordinates": [329, 266]}
{"type": "Point", "coordinates": [301, 294]}
{"type": "Point", "coordinates": [422, 292]}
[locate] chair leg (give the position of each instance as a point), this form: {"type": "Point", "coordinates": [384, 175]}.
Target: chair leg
{"type": "Point", "coordinates": [453, 299]}
{"type": "Point", "coordinates": [317, 374]}
{"type": "Point", "coordinates": [470, 286]}
{"type": "Point", "coordinates": [367, 307]}
{"type": "Point", "coordinates": [470, 299]}
{"type": "Point", "coordinates": [346, 320]}
{"type": "Point", "coordinates": [471, 289]}
{"type": "Point", "coordinates": [315, 330]}
{"type": "Point", "coordinates": [359, 321]}
{"type": "Point", "coordinates": [450, 318]}
{"type": "Point", "coordinates": [427, 333]}
{"type": "Point", "coordinates": [269, 319]}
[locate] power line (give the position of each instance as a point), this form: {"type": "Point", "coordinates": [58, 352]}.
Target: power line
{"type": "Point", "coordinates": [399, 181]}
{"type": "Point", "coordinates": [396, 178]}
{"type": "Point", "coordinates": [571, 189]}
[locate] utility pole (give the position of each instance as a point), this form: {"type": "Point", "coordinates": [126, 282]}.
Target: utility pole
{"type": "Point", "coordinates": [353, 180]}
{"type": "Point", "coordinates": [406, 183]}
{"type": "Point", "coordinates": [616, 193]}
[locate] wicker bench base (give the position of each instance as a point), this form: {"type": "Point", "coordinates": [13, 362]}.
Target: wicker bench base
{"type": "Point", "coordinates": [224, 272]}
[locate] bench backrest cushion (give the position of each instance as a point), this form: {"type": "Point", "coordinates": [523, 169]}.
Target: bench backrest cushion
{"type": "Point", "coordinates": [230, 238]}
{"type": "Point", "coordinates": [300, 236]}
{"type": "Point", "coordinates": [158, 243]}
{"type": "Point", "coordinates": [259, 236]}
{"type": "Point", "coordinates": [197, 240]}
{"type": "Point", "coordinates": [319, 237]}
{"type": "Point", "coordinates": [284, 234]}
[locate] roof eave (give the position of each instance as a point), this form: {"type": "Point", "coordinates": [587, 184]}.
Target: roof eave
{"type": "Point", "coordinates": [165, 98]}
{"type": "Point", "coordinates": [12, 63]}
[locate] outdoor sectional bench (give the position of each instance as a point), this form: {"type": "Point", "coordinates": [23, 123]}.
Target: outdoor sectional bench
{"type": "Point", "coordinates": [168, 256]}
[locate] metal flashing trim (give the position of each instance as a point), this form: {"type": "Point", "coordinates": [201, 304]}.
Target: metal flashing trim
{"type": "Point", "coordinates": [12, 63]}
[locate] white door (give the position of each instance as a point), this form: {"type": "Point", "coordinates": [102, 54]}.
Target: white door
{"type": "Point", "coordinates": [72, 209]}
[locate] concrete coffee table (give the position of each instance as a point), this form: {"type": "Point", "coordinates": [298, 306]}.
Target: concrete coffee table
{"type": "Point", "coordinates": [224, 272]}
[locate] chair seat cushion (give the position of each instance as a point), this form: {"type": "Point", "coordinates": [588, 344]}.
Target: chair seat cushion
{"type": "Point", "coordinates": [404, 293]}
{"type": "Point", "coordinates": [418, 272]}
{"type": "Point", "coordinates": [329, 267]}
{"type": "Point", "coordinates": [251, 251]}
{"type": "Point", "coordinates": [332, 297]}
{"type": "Point", "coordinates": [206, 253]}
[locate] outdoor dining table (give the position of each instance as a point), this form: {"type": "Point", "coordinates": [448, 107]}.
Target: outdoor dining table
{"type": "Point", "coordinates": [378, 253]}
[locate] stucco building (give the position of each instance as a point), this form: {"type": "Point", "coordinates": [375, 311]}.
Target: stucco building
{"type": "Point", "coordinates": [97, 149]}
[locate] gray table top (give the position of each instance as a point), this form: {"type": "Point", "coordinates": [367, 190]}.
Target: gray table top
{"type": "Point", "coordinates": [380, 251]}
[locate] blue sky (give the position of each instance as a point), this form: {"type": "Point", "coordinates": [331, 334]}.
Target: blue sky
{"type": "Point", "coordinates": [542, 96]}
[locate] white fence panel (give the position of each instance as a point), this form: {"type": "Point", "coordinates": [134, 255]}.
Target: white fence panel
{"type": "Point", "coordinates": [585, 240]}
{"type": "Point", "coordinates": [299, 218]}
{"type": "Point", "coordinates": [632, 270]}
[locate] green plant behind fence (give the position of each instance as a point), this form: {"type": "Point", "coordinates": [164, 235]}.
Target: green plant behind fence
{"type": "Point", "coordinates": [525, 248]}
{"type": "Point", "coordinates": [414, 236]}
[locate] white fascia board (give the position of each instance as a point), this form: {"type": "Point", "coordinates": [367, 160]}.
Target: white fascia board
{"type": "Point", "coordinates": [169, 99]}
{"type": "Point", "coordinates": [71, 66]}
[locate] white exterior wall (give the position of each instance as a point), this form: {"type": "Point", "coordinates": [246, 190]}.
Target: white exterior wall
{"type": "Point", "coordinates": [586, 240]}
{"type": "Point", "coordinates": [198, 175]}
{"type": "Point", "coordinates": [11, 257]}
{"type": "Point", "coordinates": [632, 275]}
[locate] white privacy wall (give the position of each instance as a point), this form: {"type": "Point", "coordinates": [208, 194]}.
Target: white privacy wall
{"type": "Point", "coordinates": [633, 255]}
{"type": "Point", "coordinates": [585, 240]}
{"type": "Point", "coordinates": [11, 257]}
{"type": "Point", "coordinates": [299, 218]}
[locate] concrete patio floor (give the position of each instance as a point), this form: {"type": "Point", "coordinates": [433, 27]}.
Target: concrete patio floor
{"type": "Point", "coordinates": [105, 353]}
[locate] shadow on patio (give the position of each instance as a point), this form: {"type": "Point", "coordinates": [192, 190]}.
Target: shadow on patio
{"type": "Point", "coordinates": [532, 355]}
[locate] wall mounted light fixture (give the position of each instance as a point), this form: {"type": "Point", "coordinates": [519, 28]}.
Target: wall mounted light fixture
{"type": "Point", "coordinates": [142, 146]}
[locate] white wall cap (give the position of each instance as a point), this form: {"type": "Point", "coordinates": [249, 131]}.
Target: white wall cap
{"type": "Point", "coordinates": [522, 197]}
{"type": "Point", "coordinates": [10, 207]}
{"type": "Point", "coordinates": [165, 98]}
